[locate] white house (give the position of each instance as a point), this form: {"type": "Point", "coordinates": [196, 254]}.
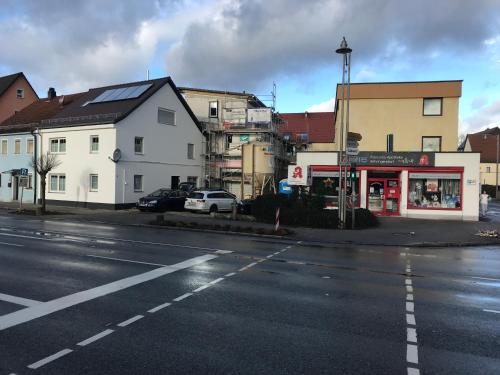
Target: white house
{"type": "Point", "coordinates": [120, 142]}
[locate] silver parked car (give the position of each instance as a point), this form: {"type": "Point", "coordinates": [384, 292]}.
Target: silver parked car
{"type": "Point", "coordinates": [210, 201]}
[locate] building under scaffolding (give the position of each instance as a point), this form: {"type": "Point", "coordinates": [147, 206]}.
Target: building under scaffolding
{"type": "Point", "coordinates": [244, 153]}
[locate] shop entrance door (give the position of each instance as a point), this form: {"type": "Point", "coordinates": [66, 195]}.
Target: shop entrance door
{"type": "Point", "coordinates": [384, 196]}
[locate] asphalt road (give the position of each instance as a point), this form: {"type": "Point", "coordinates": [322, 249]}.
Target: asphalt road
{"type": "Point", "coordinates": [81, 298]}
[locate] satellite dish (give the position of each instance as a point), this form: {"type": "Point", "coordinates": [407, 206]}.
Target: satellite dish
{"type": "Point", "coordinates": [117, 154]}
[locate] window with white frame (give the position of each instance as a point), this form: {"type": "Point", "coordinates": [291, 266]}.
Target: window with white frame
{"type": "Point", "coordinates": [17, 146]}
{"type": "Point", "coordinates": [139, 145]}
{"type": "Point", "coordinates": [213, 108]}
{"type": "Point", "coordinates": [30, 146]}
{"type": "Point", "coordinates": [138, 181]}
{"type": "Point", "coordinates": [94, 144]}
{"type": "Point", "coordinates": [433, 106]}
{"type": "Point", "coordinates": [20, 93]}
{"type": "Point", "coordinates": [57, 183]}
{"type": "Point", "coordinates": [166, 116]}
{"type": "Point", "coordinates": [4, 147]}
{"type": "Point", "coordinates": [94, 182]}
{"type": "Point", "coordinates": [58, 145]}
{"type": "Point", "coordinates": [190, 151]}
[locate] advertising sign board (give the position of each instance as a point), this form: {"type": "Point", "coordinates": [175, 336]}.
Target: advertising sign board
{"type": "Point", "coordinates": [299, 175]}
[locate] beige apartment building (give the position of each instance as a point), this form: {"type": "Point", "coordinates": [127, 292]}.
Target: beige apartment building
{"type": "Point", "coordinates": [403, 116]}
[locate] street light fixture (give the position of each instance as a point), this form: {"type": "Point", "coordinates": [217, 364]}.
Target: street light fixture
{"type": "Point", "coordinates": [346, 70]}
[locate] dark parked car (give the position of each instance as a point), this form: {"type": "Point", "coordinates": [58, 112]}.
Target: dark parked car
{"type": "Point", "coordinates": [245, 206]}
{"type": "Point", "coordinates": [162, 200]}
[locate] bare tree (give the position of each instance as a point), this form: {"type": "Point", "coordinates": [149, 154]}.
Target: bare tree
{"type": "Point", "coordinates": [43, 165]}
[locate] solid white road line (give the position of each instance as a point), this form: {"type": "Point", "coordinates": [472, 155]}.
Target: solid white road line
{"type": "Point", "coordinates": [216, 280]}
{"type": "Point", "coordinates": [251, 264]}
{"type": "Point", "coordinates": [49, 359]}
{"type": "Point", "coordinates": [90, 340]}
{"type": "Point", "coordinates": [492, 311]}
{"type": "Point", "coordinates": [261, 260]}
{"type": "Point", "coordinates": [411, 334]}
{"type": "Point", "coordinates": [23, 236]}
{"type": "Point", "coordinates": [410, 319]}
{"type": "Point", "coordinates": [223, 252]}
{"type": "Point", "coordinates": [410, 306]}
{"type": "Point", "coordinates": [46, 308]}
{"type": "Point", "coordinates": [270, 256]}
{"type": "Point", "coordinates": [413, 371]}
{"type": "Point", "coordinates": [411, 353]}
{"type": "Point", "coordinates": [11, 244]}
{"type": "Point", "coordinates": [126, 260]}
{"type": "Point", "coordinates": [243, 269]}
{"type": "Point", "coordinates": [130, 321]}
{"type": "Point", "coordinates": [184, 296]}
{"type": "Point", "coordinates": [484, 278]}
{"type": "Point", "coordinates": [231, 274]}
{"type": "Point", "coordinates": [159, 307]}
{"type": "Point", "coordinates": [18, 300]}
{"type": "Point", "coordinates": [106, 242]}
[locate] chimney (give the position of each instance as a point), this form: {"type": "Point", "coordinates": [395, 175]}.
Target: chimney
{"type": "Point", "coordinates": [51, 94]}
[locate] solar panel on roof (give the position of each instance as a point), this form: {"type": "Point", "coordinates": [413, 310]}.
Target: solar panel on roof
{"type": "Point", "coordinates": [123, 93]}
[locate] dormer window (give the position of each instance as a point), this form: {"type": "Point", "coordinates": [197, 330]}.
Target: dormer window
{"type": "Point", "coordinates": [20, 93]}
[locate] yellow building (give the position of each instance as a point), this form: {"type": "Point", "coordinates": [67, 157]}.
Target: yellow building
{"type": "Point", "coordinates": [403, 116]}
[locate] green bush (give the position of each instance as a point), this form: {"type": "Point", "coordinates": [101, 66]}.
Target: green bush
{"type": "Point", "coordinates": [306, 211]}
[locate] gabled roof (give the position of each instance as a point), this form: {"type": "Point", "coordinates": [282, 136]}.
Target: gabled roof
{"type": "Point", "coordinates": [319, 126]}
{"type": "Point", "coordinates": [31, 116]}
{"type": "Point", "coordinates": [485, 142]}
{"type": "Point", "coordinates": [7, 81]}
{"type": "Point", "coordinates": [83, 112]}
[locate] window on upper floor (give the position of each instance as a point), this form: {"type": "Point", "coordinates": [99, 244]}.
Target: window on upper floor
{"type": "Point", "coordinates": [431, 144]}
{"type": "Point", "coordinates": [58, 145]}
{"type": "Point", "coordinates": [213, 108]}
{"type": "Point", "coordinates": [20, 93]}
{"type": "Point", "coordinates": [166, 116]}
{"type": "Point", "coordinates": [94, 144]}
{"type": "Point", "coordinates": [190, 151]}
{"type": "Point", "coordinates": [139, 145]}
{"type": "Point", "coordinates": [17, 146]}
{"type": "Point", "coordinates": [433, 106]}
{"type": "Point", "coordinates": [4, 147]}
{"type": "Point", "coordinates": [29, 146]}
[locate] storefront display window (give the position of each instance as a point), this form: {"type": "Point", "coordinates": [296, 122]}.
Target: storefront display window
{"type": "Point", "coordinates": [435, 190]}
{"type": "Point", "coordinates": [327, 184]}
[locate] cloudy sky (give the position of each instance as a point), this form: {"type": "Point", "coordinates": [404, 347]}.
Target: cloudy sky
{"type": "Point", "coordinates": [248, 44]}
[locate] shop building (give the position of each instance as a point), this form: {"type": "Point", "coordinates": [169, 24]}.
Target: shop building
{"type": "Point", "coordinates": [427, 185]}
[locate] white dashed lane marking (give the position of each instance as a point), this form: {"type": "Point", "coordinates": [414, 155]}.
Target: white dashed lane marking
{"type": "Point", "coordinates": [130, 321]}
{"type": "Point", "coordinates": [230, 274]}
{"type": "Point", "coordinates": [49, 359]}
{"type": "Point", "coordinates": [411, 334]}
{"type": "Point", "coordinates": [184, 296]}
{"type": "Point", "coordinates": [412, 353]}
{"type": "Point", "coordinates": [159, 307]}
{"type": "Point", "coordinates": [410, 319]}
{"type": "Point", "coordinates": [411, 330]}
{"type": "Point", "coordinates": [94, 338]}
{"type": "Point", "coordinates": [216, 281]}
{"type": "Point", "coordinates": [492, 311]}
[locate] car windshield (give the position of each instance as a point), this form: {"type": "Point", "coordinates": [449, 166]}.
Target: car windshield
{"type": "Point", "coordinates": [196, 195]}
{"type": "Point", "coordinates": [158, 193]}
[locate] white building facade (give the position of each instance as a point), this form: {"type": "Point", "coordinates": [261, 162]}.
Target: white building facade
{"type": "Point", "coordinates": [156, 144]}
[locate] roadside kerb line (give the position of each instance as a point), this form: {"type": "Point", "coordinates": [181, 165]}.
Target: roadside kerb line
{"type": "Point", "coordinates": [492, 311]}
{"type": "Point", "coordinates": [49, 359]}
{"type": "Point", "coordinates": [130, 321]}
{"type": "Point", "coordinates": [94, 338]}
{"type": "Point", "coordinates": [46, 308]}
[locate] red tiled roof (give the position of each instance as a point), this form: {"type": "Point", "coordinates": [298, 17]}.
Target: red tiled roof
{"type": "Point", "coordinates": [319, 126]}
{"type": "Point", "coordinates": [485, 142]}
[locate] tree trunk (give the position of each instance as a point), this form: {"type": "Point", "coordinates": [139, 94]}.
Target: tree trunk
{"type": "Point", "coordinates": [43, 182]}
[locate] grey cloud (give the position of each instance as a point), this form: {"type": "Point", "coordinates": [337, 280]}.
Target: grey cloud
{"type": "Point", "coordinates": [486, 116]}
{"type": "Point", "coordinates": [260, 40]}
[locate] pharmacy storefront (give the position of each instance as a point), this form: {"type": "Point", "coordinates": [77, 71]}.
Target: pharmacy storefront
{"type": "Point", "coordinates": [409, 184]}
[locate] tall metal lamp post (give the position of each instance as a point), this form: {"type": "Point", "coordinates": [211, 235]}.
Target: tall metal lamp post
{"type": "Point", "coordinates": [344, 118]}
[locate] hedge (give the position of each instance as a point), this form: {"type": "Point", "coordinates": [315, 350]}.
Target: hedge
{"type": "Point", "coordinates": [306, 211]}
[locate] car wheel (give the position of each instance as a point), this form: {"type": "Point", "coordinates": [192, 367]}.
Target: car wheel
{"type": "Point", "coordinates": [213, 208]}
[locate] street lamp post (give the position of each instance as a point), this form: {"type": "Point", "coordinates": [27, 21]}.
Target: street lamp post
{"type": "Point", "coordinates": [346, 69]}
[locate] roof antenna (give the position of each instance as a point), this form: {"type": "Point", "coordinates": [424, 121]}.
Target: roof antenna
{"type": "Point", "coordinates": [147, 74]}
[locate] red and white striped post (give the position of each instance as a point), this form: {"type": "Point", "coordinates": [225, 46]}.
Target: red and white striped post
{"type": "Point", "coordinates": [277, 220]}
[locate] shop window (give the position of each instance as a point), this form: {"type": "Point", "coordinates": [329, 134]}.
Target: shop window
{"type": "Point", "coordinates": [435, 190]}
{"type": "Point", "coordinates": [327, 185]}
{"type": "Point", "coordinates": [431, 144]}
{"type": "Point", "coordinates": [433, 107]}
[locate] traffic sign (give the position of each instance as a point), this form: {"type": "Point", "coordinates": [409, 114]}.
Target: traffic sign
{"type": "Point", "coordinates": [23, 171]}
{"type": "Point", "coordinates": [352, 151]}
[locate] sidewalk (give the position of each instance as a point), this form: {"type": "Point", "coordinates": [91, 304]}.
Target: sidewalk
{"type": "Point", "coordinates": [393, 231]}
